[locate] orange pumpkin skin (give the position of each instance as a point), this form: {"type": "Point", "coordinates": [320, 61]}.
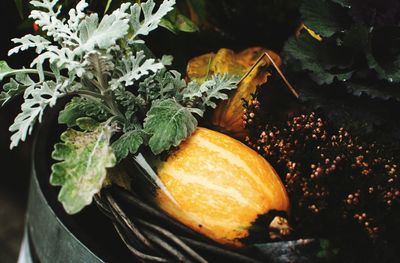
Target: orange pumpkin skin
{"type": "Point", "coordinates": [220, 186]}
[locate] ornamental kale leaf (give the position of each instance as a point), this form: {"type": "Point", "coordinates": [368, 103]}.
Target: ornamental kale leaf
{"type": "Point", "coordinates": [356, 60]}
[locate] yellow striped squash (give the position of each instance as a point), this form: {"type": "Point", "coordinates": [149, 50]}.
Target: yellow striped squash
{"type": "Point", "coordinates": [220, 186]}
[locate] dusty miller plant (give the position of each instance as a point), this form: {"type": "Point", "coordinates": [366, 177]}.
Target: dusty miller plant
{"type": "Point", "coordinates": [122, 98]}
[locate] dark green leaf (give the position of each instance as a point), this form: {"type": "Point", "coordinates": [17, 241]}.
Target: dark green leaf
{"type": "Point", "coordinates": [360, 114]}
{"type": "Point", "coordinates": [168, 123]}
{"type": "Point", "coordinates": [391, 74]}
{"type": "Point", "coordinates": [356, 38]}
{"type": "Point", "coordinates": [175, 22]}
{"type": "Point", "coordinates": [15, 87]}
{"type": "Point", "coordinates": [162, 85]}
{"type": "Point", "coordinates": [87, 124]}
{"type": "Point", "coordinates": [344, 3]}
{"type": "Point", "coordinates": [84, 157]}
{"type": "Point", "coordinates": [380, 91]}
{"type": "Point", "coordinates": [384, 55]}
{"type": "Point", "coordinates": [318, 59]}
{"type": "Point", "coordinates": [81, 107]}
{"type": "Point", "coordinates": [198, 10]}
{"type": "Point", "coordinates": [324, 17]}
{"type": "Point", "coordinates": [129, 142]}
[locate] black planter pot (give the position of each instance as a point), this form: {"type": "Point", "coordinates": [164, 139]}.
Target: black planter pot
{"type": "Point", "coordinates": [46, 237]}
{"type": "Point", "coordinates": [53, 236]}
{"type": "Point", "coordinates": [50, 234]}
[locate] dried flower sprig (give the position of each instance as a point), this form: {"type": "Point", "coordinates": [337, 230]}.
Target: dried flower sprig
{"type": "Point", "coordinates": [329, 173]}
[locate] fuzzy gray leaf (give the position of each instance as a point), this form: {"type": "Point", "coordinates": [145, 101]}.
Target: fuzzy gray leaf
{"type": "Point", "coordinates": [104, 34]}
{"type": "Point", "coordinates": [211, 90]}
{"type": "Point", "coordinates": [32, 110]}
{"type": "Point", "coordinates": [29, 41]}
{"type": "Point", "coordinates": [151, 20]}
{"type": "Point", "coordinates": [133, 68]}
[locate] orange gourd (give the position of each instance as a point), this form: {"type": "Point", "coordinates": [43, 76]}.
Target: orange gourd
{"type": "Point", "coordinates": [220, 186]}
{"type": "Point", "coordinates": [228, 114]}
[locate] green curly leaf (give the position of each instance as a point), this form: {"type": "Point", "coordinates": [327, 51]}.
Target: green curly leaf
{"type": "Point", "coordinates": [81, 107]}
{"type": "Point", "coordinates": [15, 87]}
{"type": "Point", "coordinates": [168, 123]}
{"type": "Point", "coordinates": [84, 158]}
{"type": "Point", "coordinates": [129, 142]}
{"type": "Point", "coordinates": [175, 22]}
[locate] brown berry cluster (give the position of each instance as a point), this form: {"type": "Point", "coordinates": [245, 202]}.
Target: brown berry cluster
{"type": "Point", "coordinates": [333, 178]}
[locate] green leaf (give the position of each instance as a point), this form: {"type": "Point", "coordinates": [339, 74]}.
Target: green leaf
{"type": "Point", "coordinates": [15, 87]}
{"type": "Point", "coordinates": [356, 38]}
{"type": "Point", "coordinates": [198, 10]}
{"type": "Point", "coordinates": [391, 74]}
{"type": "Point", "coordinates": [380, 91]}
{"type": "Point", "coordinates": [164, 84]}
{"type": "Point", "coordinates": [107, 6]}
{"type": "Point", "coordinates": [323, 63]}
{"type": "Point", "coordinates": [184, 24]}
{"type": "Point", "coordinates": [324, 17]}
{"type": "Point", "coordinates": [81, 107]}
{"type": "Point", "coordinates": [175, 22]}
{"type": "Point", "coordinates": [168, 123]}
{"type": "Point", "coordinates": [384, 53]}
{"type": "Point", "coordinates": [4, 69]}
{"type": "Point", "coordinates": [129, 142]}
{"type": "Point", "coordinates": [84, 157]}
{"type": "Point", "coordinates": [344, 3]}
{"type": "Point", "coordinates": [87, 123]}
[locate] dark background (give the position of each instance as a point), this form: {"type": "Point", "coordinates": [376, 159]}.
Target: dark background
{"type": "Point", "coordinates": [15, 164]}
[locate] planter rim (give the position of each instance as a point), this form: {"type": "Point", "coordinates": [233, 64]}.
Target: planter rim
{"type": "Point", "coordinates": [48, 237]}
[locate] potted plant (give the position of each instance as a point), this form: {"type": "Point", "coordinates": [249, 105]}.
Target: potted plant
{"type": "Point", "coordinates": [185, 168]}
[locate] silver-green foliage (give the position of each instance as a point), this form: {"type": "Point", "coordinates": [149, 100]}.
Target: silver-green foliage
{"type": "Point", "coordinates": [124, 97]}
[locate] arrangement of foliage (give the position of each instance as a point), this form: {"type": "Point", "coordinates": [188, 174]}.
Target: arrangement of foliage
{"type": "Point", "coordinates": [351, 67]}
{"type": "Point", "coordinates": [122, 97]}
{"type": "Point", "coordinates": [337, 155]}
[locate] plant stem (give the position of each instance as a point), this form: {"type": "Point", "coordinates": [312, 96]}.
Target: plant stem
{"type": "Point", "coordinates": [30, 71]}
{"type": "Point", "coordinates": [113, 105]}
{"type": "Point", "coordinates": [89, 93]}
{"type": "Point", "coordinates": [109, 105]}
